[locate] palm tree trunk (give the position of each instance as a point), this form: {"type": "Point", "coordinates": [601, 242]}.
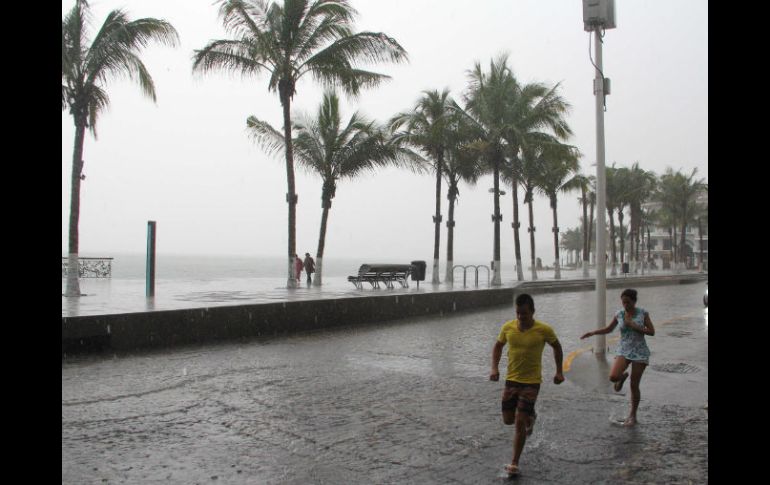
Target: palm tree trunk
{"type": "Point", "coordinates": [683, 243]}
{"type": "Point", "coordinates": [591, 229]}
{"type": "Point", "coordinates": [450, 228]}
{"type": "Point", "coordinates": [631, 246]}
{"type": "Point", "coordinates": [674, 259]}
{"type": "Point", "coordinates": [614, 270]}
{"type": "Point", "coordinates": [649, 244]}
{"type": "Point", "coordinates": [516, 225]}
{"type": "Point", "coordinates": [637, 227]}
{"type": "Point", "coordinates": [557, 272]}
{"type": "Point", "coordinates": [73, 265]}
{"type": "Point", "coordinates": [622, 236]}
{"type": "Point", "coordinates": [291, 197]}
{"type": "Point", "coordinates": [319, 256]}
{"type": "Point", "coordinates": [586, 237]}
{"type": "Point", "coordinates": [531, 231]}
{"type": "Point", "coordinates": [437, 221]}
{"type": "Point", "coordinates": [496, 280]}
{"type": "Point", "coordinates": [700, 236]}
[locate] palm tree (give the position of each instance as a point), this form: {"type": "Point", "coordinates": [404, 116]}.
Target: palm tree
{"type": "Point", "coordinates": [289, 41]}
{"type": "Point", "coordinates": [428, 127]}
{"type": "Point", "coordinates": [641, 185]}
{"type": "Point", "coordinates": [507, 113]}
{"type": "Point", "coordinates": [584, 182]}
{"type": "Point", "coordinates": [613, 194]}
{"type": "Point", "coordinates": [622, 185]}
{"type": "Point", "coordinates": [530, 172]}
{"type": "Point", "coordinates": [333, 151]}
{"type": "Point", "coordinates": [572, 241]}
{"type": "Point", "coordinates": [560, 165]}
{"type": "Point", "coordinates": [487, 100]}
{"type": "Point", "coordinates": [689, 190]}
{"type": "Point", "coordinates": [678, 193]}
{"type": "Point", "coordinates": [86, 68]}
{"type": "Point", "coordinates": [648, 217]}
{"type": "Point", "coordinates": [461, 164]}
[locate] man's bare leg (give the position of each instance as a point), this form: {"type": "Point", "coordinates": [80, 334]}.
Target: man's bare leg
{"type": "Point", "coordinates": [520, 437]}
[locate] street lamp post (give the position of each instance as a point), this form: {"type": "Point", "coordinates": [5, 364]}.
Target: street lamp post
{"type": "Point", "coordinates": [599, 15]}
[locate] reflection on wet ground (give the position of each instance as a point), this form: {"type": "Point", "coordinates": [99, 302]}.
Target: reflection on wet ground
{"type": "Point", "coordinates": [400, 402]}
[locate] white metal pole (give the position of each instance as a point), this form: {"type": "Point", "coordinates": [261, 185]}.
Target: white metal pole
{"type": "Point", "coordinates": [601, 205]}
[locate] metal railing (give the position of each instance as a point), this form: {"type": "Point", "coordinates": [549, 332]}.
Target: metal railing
{"type": "Point", "coordinates": [89, 267]}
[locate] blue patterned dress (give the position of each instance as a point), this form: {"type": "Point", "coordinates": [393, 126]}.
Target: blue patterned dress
{"type": "Point", "coordinates": [632, 345]}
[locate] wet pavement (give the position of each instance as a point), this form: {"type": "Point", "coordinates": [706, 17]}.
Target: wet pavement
{"type": "Point", "coordinates": [401, 402]}
{"type": "Point", "coordinates": [123, 295]}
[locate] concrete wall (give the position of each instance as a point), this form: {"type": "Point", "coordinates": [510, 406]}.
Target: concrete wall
{"type": "Point", "coordinates": [141, 330]}
{"type": "Point", "coordinates": [174, 327]}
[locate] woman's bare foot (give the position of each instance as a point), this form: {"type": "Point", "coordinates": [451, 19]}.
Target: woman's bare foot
{"type": "Point", "coordinates": [630, 421]}
{"type": "Point", "coordinates": [619, 384]}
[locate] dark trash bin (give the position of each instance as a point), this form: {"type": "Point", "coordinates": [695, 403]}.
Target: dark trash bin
{"type": "Point", "coordinates": [625, 268]}
{"type": "Point", "coordinates": [418, 270]}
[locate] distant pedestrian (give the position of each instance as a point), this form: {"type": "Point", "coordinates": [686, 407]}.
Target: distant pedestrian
{"type": "Point", "coordinates": [526, 338]}
{"type": "Point", "coordinates": [297, 267]}
{"type": "Point", "coordinates": [635, 323]}
{"type": "Point", "coordinates": [309, 264]}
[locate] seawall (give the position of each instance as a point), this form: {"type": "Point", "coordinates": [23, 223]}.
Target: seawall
{"type": "Point", "coordinates": [169, 328]}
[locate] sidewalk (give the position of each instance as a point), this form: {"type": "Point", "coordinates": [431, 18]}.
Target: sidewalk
{"type": "Point", "coordinates": [670, 442]}
{"type": "Point", "coordinates": [387, 404]}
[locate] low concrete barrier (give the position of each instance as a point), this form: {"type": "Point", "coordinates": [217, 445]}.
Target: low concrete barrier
{"type": "Point", "coordinates": [142, 330]}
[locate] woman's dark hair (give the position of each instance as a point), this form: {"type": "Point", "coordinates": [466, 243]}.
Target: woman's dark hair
{"type": "Point", "coordinates": [631, 294]}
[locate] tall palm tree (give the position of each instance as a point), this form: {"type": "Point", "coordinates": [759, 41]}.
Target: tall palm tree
{"type": "Point", "coordinates": [507, 112]}
{"type": "Point", "coordinates": [622, 181]}
{"type": "Point", "coordinates": [289, 40]}
{"type": "Point", "coordinates": [641, 186]}
{"type": "Point", "coordinates": [613, 194]}
{"type": "Point", "coordinates": [584, 182]}
{"type": "Point", "coordinates": [572, 241]}
{"type": "Point", "coordinates": [86, 68]}
{"type": "Point", "coordinates": [332, 150]}
{"type": "Point", "coordinates": [461, 164]}
{"type": "Point", "coordinates": [429, 127]}
{"type": "Point", "coordinates": [559, 167]}
{"type": "Point", "coordinates": [690, 189]}
{"type": "Point", "coordinates": [486, 102]}
{"type": "Point", "coordinates": [530, 171]}
{"type": "Point", "coordinates": [648, 217]}
{"type": "Point", "coordinates": [678, 193]}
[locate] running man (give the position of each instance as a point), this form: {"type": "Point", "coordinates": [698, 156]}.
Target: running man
{"type": "Point", "coordinates": [526, 338]}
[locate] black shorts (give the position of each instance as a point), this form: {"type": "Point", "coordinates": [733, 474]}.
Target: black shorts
{"type": "Point", "coordinates": [518, 396]}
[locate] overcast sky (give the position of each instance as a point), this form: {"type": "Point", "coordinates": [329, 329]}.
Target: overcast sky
{"type": "Point", "coordinates": [187, 162]}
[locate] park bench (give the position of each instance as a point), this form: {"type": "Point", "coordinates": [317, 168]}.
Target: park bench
{"type": "Point", "coordinates": [385, 273]}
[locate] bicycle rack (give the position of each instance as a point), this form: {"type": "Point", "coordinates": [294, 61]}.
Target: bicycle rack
{"type": "Point", "coordinates": [465, 273]}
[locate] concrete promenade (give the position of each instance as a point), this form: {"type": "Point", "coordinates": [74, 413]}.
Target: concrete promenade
{"type": "Point", "coordinates": [284, 311]}
{"type": "Point", "coordinates": [405, 402]}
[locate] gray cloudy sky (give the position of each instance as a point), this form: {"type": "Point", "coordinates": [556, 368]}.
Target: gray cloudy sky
{"type": "Point", "coordinates": [187, 162]}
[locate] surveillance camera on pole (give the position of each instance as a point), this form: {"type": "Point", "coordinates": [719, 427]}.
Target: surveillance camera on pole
{"type": "Point", "coordinates": [598, 16]}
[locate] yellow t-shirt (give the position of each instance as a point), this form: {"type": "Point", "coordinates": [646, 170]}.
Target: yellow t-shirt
{"type": "Point", "coordinates": [525, 350]}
